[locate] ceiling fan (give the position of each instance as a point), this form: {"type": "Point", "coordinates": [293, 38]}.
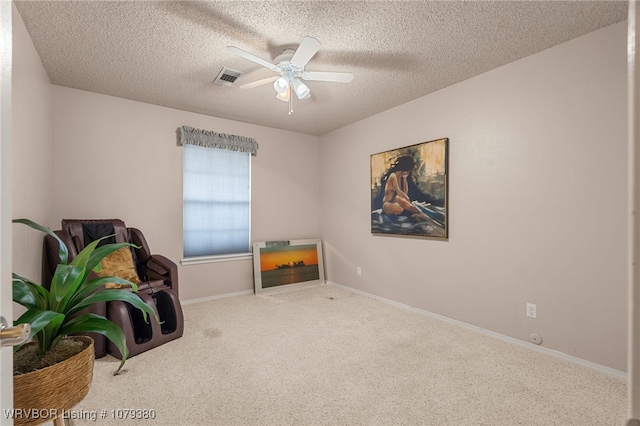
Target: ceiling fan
{"type": "Point", "coordinates": [290, 68]}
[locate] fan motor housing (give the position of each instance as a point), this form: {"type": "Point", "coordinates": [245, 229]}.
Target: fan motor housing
{"type": "Point", "coordinates": [285, 56]}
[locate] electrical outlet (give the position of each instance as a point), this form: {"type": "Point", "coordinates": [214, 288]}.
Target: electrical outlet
{"type": "Point", "coordinates": [359, 270]}
{"type": "Point", "coordinates": [532, 310]}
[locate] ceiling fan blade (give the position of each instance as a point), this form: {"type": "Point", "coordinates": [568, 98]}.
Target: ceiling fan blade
{"type": "Point", "coordinates": [259, 82]}
{"type": "Point", "coordinates": [308, 47]}
{"type": "Point", "coordinates": [253, 58]}
{"type": "Point", "coordinates": [338, 77]}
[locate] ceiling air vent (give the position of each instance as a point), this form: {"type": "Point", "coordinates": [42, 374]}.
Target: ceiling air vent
{"type": "Point", "coordinates": [227, 76]}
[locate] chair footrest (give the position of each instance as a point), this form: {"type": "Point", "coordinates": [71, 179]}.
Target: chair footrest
{"type": "Point", "coordinates": [140, 335]}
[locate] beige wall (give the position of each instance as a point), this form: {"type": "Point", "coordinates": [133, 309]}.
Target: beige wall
{"type": "Point", "coordinates": [537, 202]}
{"type": "Point", "coordinates": [537, 206]}
{"type": "Point", "coordinates": [118, 158]}
{"type": "Point", "coordinates": [32, 146]}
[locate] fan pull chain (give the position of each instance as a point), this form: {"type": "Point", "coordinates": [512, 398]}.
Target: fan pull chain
{"type": "Point", "coordinates": [290, 102]}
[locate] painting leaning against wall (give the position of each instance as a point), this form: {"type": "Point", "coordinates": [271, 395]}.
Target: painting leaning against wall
{"type": "Point", "coordinates": [293, 262]}
{"type": "Point", "coordinates": [409, 191]}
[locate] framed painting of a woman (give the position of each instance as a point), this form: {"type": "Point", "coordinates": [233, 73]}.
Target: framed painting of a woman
{"type": "Point", "coordinates": [409, 191]}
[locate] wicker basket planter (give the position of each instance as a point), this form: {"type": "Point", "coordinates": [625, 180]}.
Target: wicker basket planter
{"type": "Point", "coordinates": [55, 389]}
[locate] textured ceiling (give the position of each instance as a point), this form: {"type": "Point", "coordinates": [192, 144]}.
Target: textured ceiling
{"type": "Point", "coordinates": [169, 53]}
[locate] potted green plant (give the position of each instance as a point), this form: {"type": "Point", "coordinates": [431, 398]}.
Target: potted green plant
{"type": "Point", "coordinates": [54, 315]}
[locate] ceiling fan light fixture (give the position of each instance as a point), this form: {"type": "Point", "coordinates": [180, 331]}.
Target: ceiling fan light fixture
{"type": "Point", "coordinates": [301, 89]}
{"type": "Point", "coordinates": [281, 85]}
{"type": "Point", "coordinates": [284, 96]}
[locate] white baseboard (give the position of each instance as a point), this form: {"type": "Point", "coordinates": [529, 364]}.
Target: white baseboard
{"type": "Point", "coordinates": [598, 367]}
{"type": "Point", "coordinates": [219, 296]}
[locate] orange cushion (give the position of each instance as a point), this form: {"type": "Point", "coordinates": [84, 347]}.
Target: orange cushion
{"type": "Point", "coordinates": [119, 264]}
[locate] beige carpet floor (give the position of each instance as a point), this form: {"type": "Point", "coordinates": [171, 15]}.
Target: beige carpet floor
{"type": "Point", "coordinates": [325, 356]}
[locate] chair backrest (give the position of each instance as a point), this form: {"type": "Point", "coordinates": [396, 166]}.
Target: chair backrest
{"type": "Point", "coordinates": [77, 233]}
{"type": "Point", "coordinates": [84, 231]}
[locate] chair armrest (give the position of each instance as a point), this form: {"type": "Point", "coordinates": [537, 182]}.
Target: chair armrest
{"type": "Point", "coordinates": [160, 264]}
{"type": "Point", "coordinates": [160, 267]}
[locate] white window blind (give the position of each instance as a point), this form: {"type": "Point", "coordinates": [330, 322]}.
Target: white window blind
{"type": "Point", "coordinates": [216, 199]}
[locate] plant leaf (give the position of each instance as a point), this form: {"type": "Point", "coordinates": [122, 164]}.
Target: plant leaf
{"type": "Point", "coordinates": [39, 320]}
{"type": "Point", "coordinates": [39, 295]}
{"type": "Point", "coordinates": [23, 295]}
{"type": "Point", "coordinates": [98, 324]}
{"type": "Point", "coordinates": [116, 294]}
{"type": "Point", "coordinates": [63, 252]}
{"type": "Point", "coordinates": [65, 282]}
{"type": "Point", "coordinates": [93, 285]}
{"type": "Point", "coordinates": [36, 288]}
{"type": "Point", "coordinates": [48, 333]}
{"type": "Point", "coordinates": [85, 254]}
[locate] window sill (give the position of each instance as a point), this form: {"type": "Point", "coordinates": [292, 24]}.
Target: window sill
{"type": "Point", "coordinates": [216, 259]}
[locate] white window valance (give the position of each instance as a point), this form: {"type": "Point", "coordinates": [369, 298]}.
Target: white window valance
{"type": "Point", "coordinates": [210, 139]}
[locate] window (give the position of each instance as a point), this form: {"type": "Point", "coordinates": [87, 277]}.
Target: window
{"type": "Point", "coordinates": [216, 197]}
